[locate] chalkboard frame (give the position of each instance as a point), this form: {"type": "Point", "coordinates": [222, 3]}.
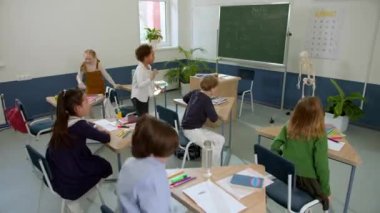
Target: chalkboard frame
{"type": "Point", "coordinates": [255, 62]}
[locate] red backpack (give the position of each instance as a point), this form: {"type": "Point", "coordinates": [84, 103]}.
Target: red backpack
{"type": "Point", "coordinates": [15, 119]}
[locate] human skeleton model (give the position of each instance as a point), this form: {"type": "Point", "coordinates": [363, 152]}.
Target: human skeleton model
{"type": "Point", "coordinates": [306, 66]}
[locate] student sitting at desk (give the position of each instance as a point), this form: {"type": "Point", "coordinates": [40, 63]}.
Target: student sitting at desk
{"type": "Point", "coordinates": [74, 168]}
{"type": "Point", "coordinates": [94, 74]}
{"type": "Point", "coordinates": [142, 82]}
{"type": "Point", "coordinates": [143, 184]}
{"type": "Point", "coordinates": [304, 142]}
{"type": "Point", "coordinates": [199, 109]}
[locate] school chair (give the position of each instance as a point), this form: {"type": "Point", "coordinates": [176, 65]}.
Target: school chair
{"type": "Point", "coordinates": [283, 190]}
{"type": "Point", "coordinates": [125, 110]}
{"type": "Point", "coordinates": [41, 166]}
{"type": "Point", "coordinates": [35, 127]}
{"type": "Point", "coordinates": [247, 78]}
{"type": "Point", "coordinates": [171, 117]}
{"type": "Point", "coordinates": [105, 209]}
{"type": "Point", "coordinates": [3, 107]}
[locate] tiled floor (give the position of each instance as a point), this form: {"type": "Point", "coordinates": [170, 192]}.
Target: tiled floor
{"type": "Point", "coordinates": [20, 189]}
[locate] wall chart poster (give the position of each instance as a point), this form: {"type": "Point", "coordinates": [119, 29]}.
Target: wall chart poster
{"type": "Point", "coordinates": [324, 35]}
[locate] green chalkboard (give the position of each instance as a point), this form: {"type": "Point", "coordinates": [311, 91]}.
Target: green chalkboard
{"type": "Point", "coordinates": [253, 32]}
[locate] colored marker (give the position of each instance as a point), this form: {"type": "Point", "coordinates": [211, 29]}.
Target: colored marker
{"type": "Point", "coordinates": [178, 178]}
{"type": "Point", "coordinates": [182, 182]}
{"type": "Point", "coordinates": [333, 140]}
{"type": "Point", "coordinates": [175, 174]}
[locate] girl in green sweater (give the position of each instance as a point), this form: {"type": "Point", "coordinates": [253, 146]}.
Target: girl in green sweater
{"type": "Point", "coordinates": [304, 142]}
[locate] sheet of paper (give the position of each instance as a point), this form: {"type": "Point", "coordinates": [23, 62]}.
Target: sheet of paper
{"type": "Point", "coordinates": [105, 124]}
{"type": "Point", "coordinates": [241, 192]}
{"type": "Point", "coordinates": [213, 199]}
{"type": "Point", "coordinates": [218, 100]}
{"type": "Point", "coordinates": [335, 146]}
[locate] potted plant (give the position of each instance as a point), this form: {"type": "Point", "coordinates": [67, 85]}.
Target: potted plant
{"type": "Point", "coordinates": [183, 69]}
{"type": "Point", "coordinates": [153, 35]}
{"type": "Point", "coordinates": [341, 108]}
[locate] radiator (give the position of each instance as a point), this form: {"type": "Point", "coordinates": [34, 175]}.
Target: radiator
{"type": "Point", "coordinates": [161, 76]}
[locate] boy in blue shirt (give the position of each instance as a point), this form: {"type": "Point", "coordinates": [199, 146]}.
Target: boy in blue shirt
{"type": "Point", "coordinates": [143, 185]}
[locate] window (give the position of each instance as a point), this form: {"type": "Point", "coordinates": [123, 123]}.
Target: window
{"type": "Point", "coordinates": [155, 14]}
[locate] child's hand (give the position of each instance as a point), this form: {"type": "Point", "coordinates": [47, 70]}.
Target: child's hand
{"type": "Point", "coordinates": [82, 86]}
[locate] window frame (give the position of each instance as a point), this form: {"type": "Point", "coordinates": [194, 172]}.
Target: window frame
{"type": "Point", "coordinates": [168, 27]}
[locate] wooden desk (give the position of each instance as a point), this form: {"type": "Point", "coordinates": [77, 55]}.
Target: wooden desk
{"type": "Point", "coordinates": [117, 144]}
{"type": "Point", "coordinates": [128, 87]}
{"type": "Point", "coordinates": [227, 87]}
{"type": "Point", "coordinates": [346, 155]}
{"type": "Point", "coordinates": [99, 99]}
{"type": "Point", "coordinates": [255, 202]}
{"type": "Point", "coordinates": [224, 112]}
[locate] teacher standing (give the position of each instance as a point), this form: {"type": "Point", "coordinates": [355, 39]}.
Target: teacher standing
{"type": "Point", "coordinates": [94, 74]}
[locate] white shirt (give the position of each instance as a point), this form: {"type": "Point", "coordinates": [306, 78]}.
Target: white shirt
{"type": "Point", "coordinates": [142, 86]}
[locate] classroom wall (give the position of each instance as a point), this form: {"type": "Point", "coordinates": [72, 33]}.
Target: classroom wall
{"type": "Point", "coordinates": [44, 38]}
{"type": "Point", "coordinates": [360, 19]}
{"type": "Point", "coordinates": [350, 69]}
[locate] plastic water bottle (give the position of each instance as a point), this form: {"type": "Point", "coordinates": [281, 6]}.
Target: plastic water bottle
{"type": "Point", "coordinates": [207, 158]}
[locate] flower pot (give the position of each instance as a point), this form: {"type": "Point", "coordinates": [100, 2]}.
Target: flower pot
{"type": "Point", "coordinates": [340, 122]}
{"type": "Point", "coordinates": [185, 88]}
{"type": "Point", "coordinates": [154, 43]}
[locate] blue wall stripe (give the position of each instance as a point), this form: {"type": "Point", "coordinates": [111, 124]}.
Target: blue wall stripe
{"type": "Point", "coordinates": [267, 90]}
{"type": "Point", "coordinates": [268, 85]}
{"type": "Point", "coordinates": [33, 92]}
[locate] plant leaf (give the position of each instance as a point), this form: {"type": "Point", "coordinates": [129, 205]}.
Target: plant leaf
{"type": "Point", "coordinates": [355, 96]}
{"type": "Point", "coordinates": [338, 88]}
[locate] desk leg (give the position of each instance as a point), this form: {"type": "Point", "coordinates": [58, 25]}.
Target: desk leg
{"type": "Point", "coordinates": [259, 139]}
{"type": "Point", "coordinates": [165, 98]}
{"type": "Point", "coordinates": [222, 129]}
{"type": "Point", "coordinates": [176, 108]}
{"type": "Point", "coordinates": [119, 161]}
{"type": "Point", "coordinates": [230, 131]}
{"type": "Point", "coordinates": [118, 167]}
{"type": "Point", "coordinates": [347, 202]}
{"type": "Point", "coordinates": [155, 105]}
{"type": "Point", "coordinates": [103, 111]}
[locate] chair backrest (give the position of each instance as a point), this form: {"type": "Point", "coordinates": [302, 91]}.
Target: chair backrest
{"type": "Point", "coordinates": [111, 94]}
{"type": "Point", "coordinates": [4, 109]}
{"type": "Point", "coordinates": [168, 115]}
{"type": "Point", "coordinates": [15, 117]}
{"type": "Point", "coordinates": [40, 163]}
{"type": "Point", "coordinates": [105, 209]}
{"type": "Point", "coordinates": [247, 78]}
{"type": "Point", "coordinates": [246, 74]}
{"type": "Point", "coordinates": [274, 164]}
{"type": "Point", "coordinates": [20, 105]}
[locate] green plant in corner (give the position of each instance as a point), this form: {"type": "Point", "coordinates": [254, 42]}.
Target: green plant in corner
{"type": "Point", "coordinates": [341, 105]}
{"type": "Point", "coordinates": [189, 66]}
{"type": "Point", "coordinates": [153, 34]}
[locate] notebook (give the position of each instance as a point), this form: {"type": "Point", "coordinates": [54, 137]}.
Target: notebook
{"type": "Point", "coordinates": [336, 146]}
{"type": "Point", "coordinates": [212, 199]}
{"type": "Point", "coordinates": [241, 192]}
